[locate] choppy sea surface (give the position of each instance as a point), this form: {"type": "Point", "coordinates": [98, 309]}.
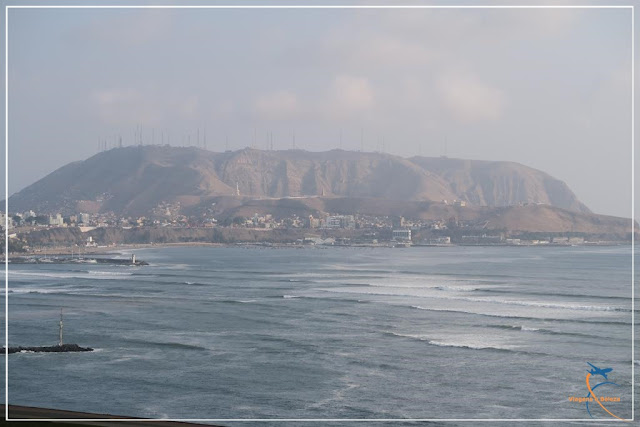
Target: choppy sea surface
{"type": "Point", "coordinates": [439, 333]}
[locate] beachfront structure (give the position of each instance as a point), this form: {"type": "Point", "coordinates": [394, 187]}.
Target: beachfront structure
{"type": "Point", "coordinates": [402, 235]}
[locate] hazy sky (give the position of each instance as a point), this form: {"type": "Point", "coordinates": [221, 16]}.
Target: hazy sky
{"type": "Point", "coordinates": [548, 88]}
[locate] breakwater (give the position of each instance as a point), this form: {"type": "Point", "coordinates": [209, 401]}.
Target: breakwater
{"type": "Point", "coordinates": [65, 348]}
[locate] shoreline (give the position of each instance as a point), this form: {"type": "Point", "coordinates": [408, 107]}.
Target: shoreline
{"type": "Point", "coordinates": [122, 249]}
{"type": "Point", "coordinates": [109, 250]}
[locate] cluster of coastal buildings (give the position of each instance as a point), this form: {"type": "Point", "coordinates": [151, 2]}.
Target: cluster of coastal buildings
{"type": "Point", "coordinates": [54, 220]}
{"type": "Point", "coordinates": [325, 229]}
{"type": "Point", "coordinates": [268, 221]}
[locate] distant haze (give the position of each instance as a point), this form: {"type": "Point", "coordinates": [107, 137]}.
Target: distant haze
{"type": "Point", "coordinates": [547, 88]}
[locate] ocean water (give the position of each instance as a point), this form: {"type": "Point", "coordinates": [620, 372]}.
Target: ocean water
{"type": "Point", "coordinates": [439, 333]}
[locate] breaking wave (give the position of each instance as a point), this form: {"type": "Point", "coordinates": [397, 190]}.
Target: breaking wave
{"type": "Point", "coordinates": [507, 316]}
{"type": "Point", "coordinates": [543, 331]}
{"type": "Point", "coordinates": [82, 274]}
{"type": "Point", "coordinates": [444, 343]}
{"type": "Point", "coordinates": [561, 306]}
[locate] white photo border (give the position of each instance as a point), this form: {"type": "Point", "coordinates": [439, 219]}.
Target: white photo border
{"type": "Point", "coordinates": [6, 260]}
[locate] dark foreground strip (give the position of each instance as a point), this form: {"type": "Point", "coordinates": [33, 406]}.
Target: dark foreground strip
{"type": "Point", "coordinates": [35, 414]}
{"type": "Point", "coordinates": [64, 348]}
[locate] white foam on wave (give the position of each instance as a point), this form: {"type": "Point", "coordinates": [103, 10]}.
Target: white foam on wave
{"type": "Point", "coordinates": [562, 306]}
{"type": "Point", "coordinates": [450, 283]}
{"type": "Point", "coordinates": [539, 314]}
{"type": "Point", "coordinates": [93, 293]}
{"type": "Point", "coordinates": [459, 288]}
{"type": "Point", "coordinates": [109, 273]}
{"type": "Point", "coordinates": [461, 341]}
{"type": "Point", "coordinates": [427, 294]}
{"type": "Point", "coordinates": [414, 336]}
{"type": "Point", "coordinates": [38, 290]}
{"type": "Point", "coordinates": [515, 328]}
{"type": "Point", "coordinates": [170, 266]}
{"type": "Point", "coordinates": [416, 287]}
{"type": "Point", "coordinates": [473, 346]}
{"type": "Point", "coordinates": [291, 296]}
{"type": "Point", "coordinates": [68, 275]}
{"type": "Point", "coordinates": [479, 312]}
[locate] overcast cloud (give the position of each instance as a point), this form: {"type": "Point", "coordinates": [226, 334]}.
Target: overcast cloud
{"type": "Point", "coordinates": [548, 88]}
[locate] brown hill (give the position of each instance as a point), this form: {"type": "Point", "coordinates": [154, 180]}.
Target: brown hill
{"type": "Point", "coordinates": [134, 180]}
{"type": "Point", "coordinates": [485, 183]}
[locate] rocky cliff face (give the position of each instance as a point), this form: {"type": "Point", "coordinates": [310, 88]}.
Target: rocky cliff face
{"type": "Point", "coordinates": [484, 183]}
{"type": "Point", "coordinates": [134, 180]}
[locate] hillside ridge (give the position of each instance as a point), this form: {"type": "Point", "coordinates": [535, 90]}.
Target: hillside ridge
{"type": "Point", "coordinates": [134, 180]}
